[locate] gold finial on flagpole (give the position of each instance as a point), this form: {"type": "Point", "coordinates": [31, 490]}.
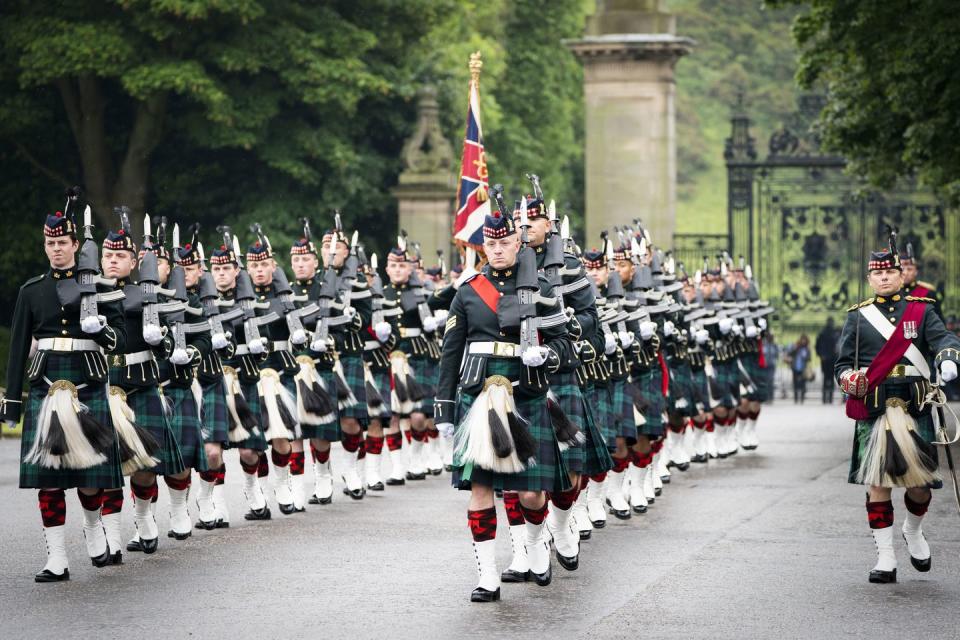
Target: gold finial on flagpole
{"type": "Point", "coordinates": [476, 64]}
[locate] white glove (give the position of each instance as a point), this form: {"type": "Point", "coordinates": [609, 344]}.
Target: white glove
{"type": "Point", "coordinates": [445, 429]}
{"type": "Point", "coordinates": [948, 370]}
{"type": "Point", "coordinates": [668, 328]}
{"type": "Point", "coordinates": [319, 345]}
{"type": "Point", "coordinates": [180, 357]}
{"type": "Point", "coordinates": [441, 315]}
{"type": "Point", "coordinates": [298, 337]}
{"type": "Point", "coordinates": [725, 325]}
{"type": "Point", "coordinates": [762, 323]}
{"type": "Point", "coordinates": [429, 324]}
{"type": "Point", "coordinates": [258, 346]}
{"type": "Point", "coordinates": [219, 340]}
{"type": "Point", "coordinates": [702, 336]}
{"type": "Point", "coordinates": [92, 324]}
{"type": "Point", "coordinates": [647, 329]}
{"type": "Point", "coordinates": [609, 343]}
{"type": "Point", "coordinates": [153, 335]}
{"type": "Point", "coordinates": [534, 356]}
{"type": "Point", "coordinates": [383, 330]}
{"type": "Point", "coordinates": [752, 331]}
{"type": "Point", "coordinates": [626, 339]}
{"type": "Point", "coordinates": [738, 329]}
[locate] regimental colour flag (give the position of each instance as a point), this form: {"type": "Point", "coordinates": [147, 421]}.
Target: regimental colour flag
{"type": "Point", "coordinates": [473, 202]}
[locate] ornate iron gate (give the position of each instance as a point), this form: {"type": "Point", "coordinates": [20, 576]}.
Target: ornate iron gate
{"type": "Point", "coordinates": [796, 217]}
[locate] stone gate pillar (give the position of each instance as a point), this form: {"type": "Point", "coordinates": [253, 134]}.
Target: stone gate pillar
{"type": "Point", "coordinates": [427, 186]}
{"type": "Point", "coordinates": [628, 52]}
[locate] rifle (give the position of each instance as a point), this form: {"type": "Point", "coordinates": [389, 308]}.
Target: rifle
{"type": "Point", "coordinates": [150, 288]}
{"type": "Point", "coordinates": [247, 299]}
{"type": "Point", "coordinates": [328, 290]}
{"type": "Point", "coordinates": [209, 300]}
{"type": "Point", "coordinates": [88, 271]}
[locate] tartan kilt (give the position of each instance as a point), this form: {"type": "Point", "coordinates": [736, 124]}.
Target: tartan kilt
{"type": "Point", "coordinates": [596, 458]}
{"type": "Point", "coordinates": [329, 431]}
{"type": "Point", "coordinates": [548, 474]}
{"type": "Point", "coordinates": [148, 409]}
{"type": "Point", "coordinates": [426, 371]}
{"type": "Point", "coordinates": [861, 436]}
{"type": "Point", "coordinates": [186, 426]}
{"type": "Point", "coordinates": [256, 441]}
{"type": "Point", "coordinates": [701, 388]}
{"type": "Point", "coordinates": [32, 476]}
{"type": "Point", "coordinates": [215, 413]}
{"type": "Point", "coordinates": [727, 383]}
{"type": "Point", "coordinates": [564, 387]}
{"type": "Point", "coordinates": [761, 381]}
{"type": "Point", "coordinates": [353, 375]}
{"type": "Point", "coordinates": [648, 382]}
{"type": "Point", "coordinates": [598, 395]}
{"type": "Point", "coordinates": [621, 418]}
{"type": "Point", "coordinates": [382, 381]}
{"type": "Point", "coordinates": [681, 388]}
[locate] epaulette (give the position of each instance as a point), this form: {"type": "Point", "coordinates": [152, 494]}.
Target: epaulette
{"type": "Point", "coordinates": [926, 285]}
{"type": "Point", "coordinates": [862, 304]}
{"type": "Point", "coordinates": [33, 280]}
{"type": "Point", "coordinates": [919, 299]}
{"type": "Point", "coordinates": [470, 278]}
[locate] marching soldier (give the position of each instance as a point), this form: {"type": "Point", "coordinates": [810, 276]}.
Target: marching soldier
{"type": "Point", "coordinates": [911, 282]}
{"type": "Point", "coordinates": [135, 401]}
{"type": "Point", "coordinates": [886, 346]}
{"type": "Point", "coordinates": [68, 439]}
{"type": "Point", "coordinates": [507, 341]}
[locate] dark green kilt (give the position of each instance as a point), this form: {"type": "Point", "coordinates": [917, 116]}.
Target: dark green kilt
{"type": "Point", "coordinates": [596, 456]}
{"type": "Point", "coordinates": [353, 374]}
{"type": "Point", "coordinates": [726, 384]}
{"type": "Point", "coordinates": [548, 474]}
{"type": "Point", "coordinates": [681, 400]}
{"type": "Point", "coordinates": [701, 390]}
{"type": "Point", "coordinates": [761, 381]}
{"type": "Point", "coordinates": [104, 476]}
{"type": "Point", "coordinates": [426, 372]}
{"type": "Point", "coordinates": [148, 409]}
{"type": "Point", "coordinates": [621, 414]}
{"type": "Point", "coordinates": [215, 413]}
{"type": "Point", "coordinates": [185, 423]}
{"type": "Point", "coordinates": [329, 431]}
{"type": "Point", "coordinates": [648, 381]}
{"type": "Point", "coordinates": [564, 386]}
{"type": "Point", "coordinates": [861, 436]}
{"type": "Point", "coordinates": [598, 395]}
{"type": "Point", "coordinates": [381, 379]}
{"type": "Point", "coordinates": [256, 441]}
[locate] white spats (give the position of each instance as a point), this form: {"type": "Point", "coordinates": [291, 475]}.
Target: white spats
{"type": "Point", "coordinates": [518, 542]}
{"type": "Point", "coordinates": [538, 548]}
{"type": "Point", "coordinates": [649, 491]}
{"type": "Point", "coordinates": [613, 486]}
{"type": "Point", "coordinates": [434, 460]}
{"type": "Point", "coordinates": [179, 513]}
{"type": "Point", "coordinates": [205, 509]}
{"type": "Point", "coordinates": [282, 487]}
{"type": "Point", "coordinates": [417, 466]}
{"type": "Point", "coordinates": [253, 492]}
{"type": "Point", "coordinates": [913, 535]}
{"type": "Point", "coordinates": [113, 530]}
{"type": "Point", "coordinates": [298, 492]}
{"type": "Point", "coordinates": [581, 517]}
{"type": "Point", "coordinates": [221, 513]}
{"type": "Point", "coordinates": [487, 575]}
{"type": "Point", "coordinates": [371, 466]}
{"type": "Point", "coordinates": [322, 480]}
{"type": "Point", "coordinates": [350, 473]}
{"type": "Point", "coordinates": [397, 467]}
{"type": "Point", "coordinates": [565, 539]}
{"type": "Point", "coordinates": [595, 509]}
{"type": "Point", "coordinates": [636, 496]}
{"type": "Point", "coordinates": [886, 558]}
{"type": "Point", "coordinates": [144, 520]}
{"type": "Point", "coordinates": [93, 533]}
{"type": "Point", "coordinates": [56, 550]}
{"type": "Point", "coordinates": [748, 434]}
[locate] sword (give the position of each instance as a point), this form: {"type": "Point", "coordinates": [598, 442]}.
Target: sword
{"type": "Point", "coordinates": [939, 399]}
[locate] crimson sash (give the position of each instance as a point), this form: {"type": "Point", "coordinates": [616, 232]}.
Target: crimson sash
{"type": "Point", "coordinates": [487, 292]}
{"type": "Point", "coordinates": [763, 358]}
{"type": "Point", "coordinates": [920, 292]}
{"type": "Point", "coordinates": [888, 357]}
{"type": "Point", "coordinates": [664, 374]}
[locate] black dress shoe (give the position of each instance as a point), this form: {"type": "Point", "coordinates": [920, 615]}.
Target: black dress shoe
{"type": "Point", "coordinates": [883, 577]}
{"type": "Point", "coordinates": [585, 535]}
{"type": "Point", "coordinates": [179, 536]}
{"type": "Point", "coordinates": [749, 448]}
{"type": "Point", "coordinates": [448, 468]}
{"type": "Point", "coordinates": [699, 459]}
{"type": "Point", "coordinates": [315, 500]}
{"type": "Point", "coordinates": [376, 486]}
{"type": "Point", "coordinates": [297, 509]}
{"type": "Point", "coordinates": [206, 526]}
{"type": "Point", "coordinates": [665, 479]}
{"type": "Point", "coordinates": [436, 472]}
{"type": "Point", "coordinates": [396, 482]}
{"type": "Point", "coordinates": [222, 524]}
{"type": "Point", "coordinates": [639, 508]}
{"type": "Point", "coordinates": [482, 595]}
{"type": "Point", "coordinates": [510, 575]}
{"type": "Point", "coordinates": [543, 579]}
{"type": "Point", "coordinates": [416, 476]}
{"type": "Point", "coordinates": [920, 565]}
{"type": "Point", "coordinates": [356, 494]}
{"type": "Point", "coordinates": [134, 545]}
{"type": "Point", "coordinates": [49, 576]}
{"type": "Point", "coordinates": [570, 564]}
{"type": "Point", "coordinates": [116, 558]}
{"type": "Point", "coordinates": [286, 509]}
{"type": "Point", "coordinates": [103, 559]}
{"type": "Point", "coordinates": [657, 491]}
{"type": "Point", "coordinates": [623, 514]}
{"type": "Point", "coordinates": [148, 546]}
{"type": "Point", "coordinates": [257, 514]}
{"type": "Point", "coordinates": [598, 524]}
{"type": "Point", "coordinates": [684, 466]}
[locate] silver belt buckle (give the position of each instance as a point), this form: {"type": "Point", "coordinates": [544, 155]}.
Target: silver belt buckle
{"type": "Point", "coordinates": [504, 349]}
{"type": "Point", "coordinates": [63, 344]}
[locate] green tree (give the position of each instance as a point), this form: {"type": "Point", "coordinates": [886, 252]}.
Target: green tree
{"type": "Point", "coordinates": [889, 69]}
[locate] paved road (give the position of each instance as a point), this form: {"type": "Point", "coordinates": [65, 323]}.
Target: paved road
{"type": "Point", "coordinates": [772, 543]}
